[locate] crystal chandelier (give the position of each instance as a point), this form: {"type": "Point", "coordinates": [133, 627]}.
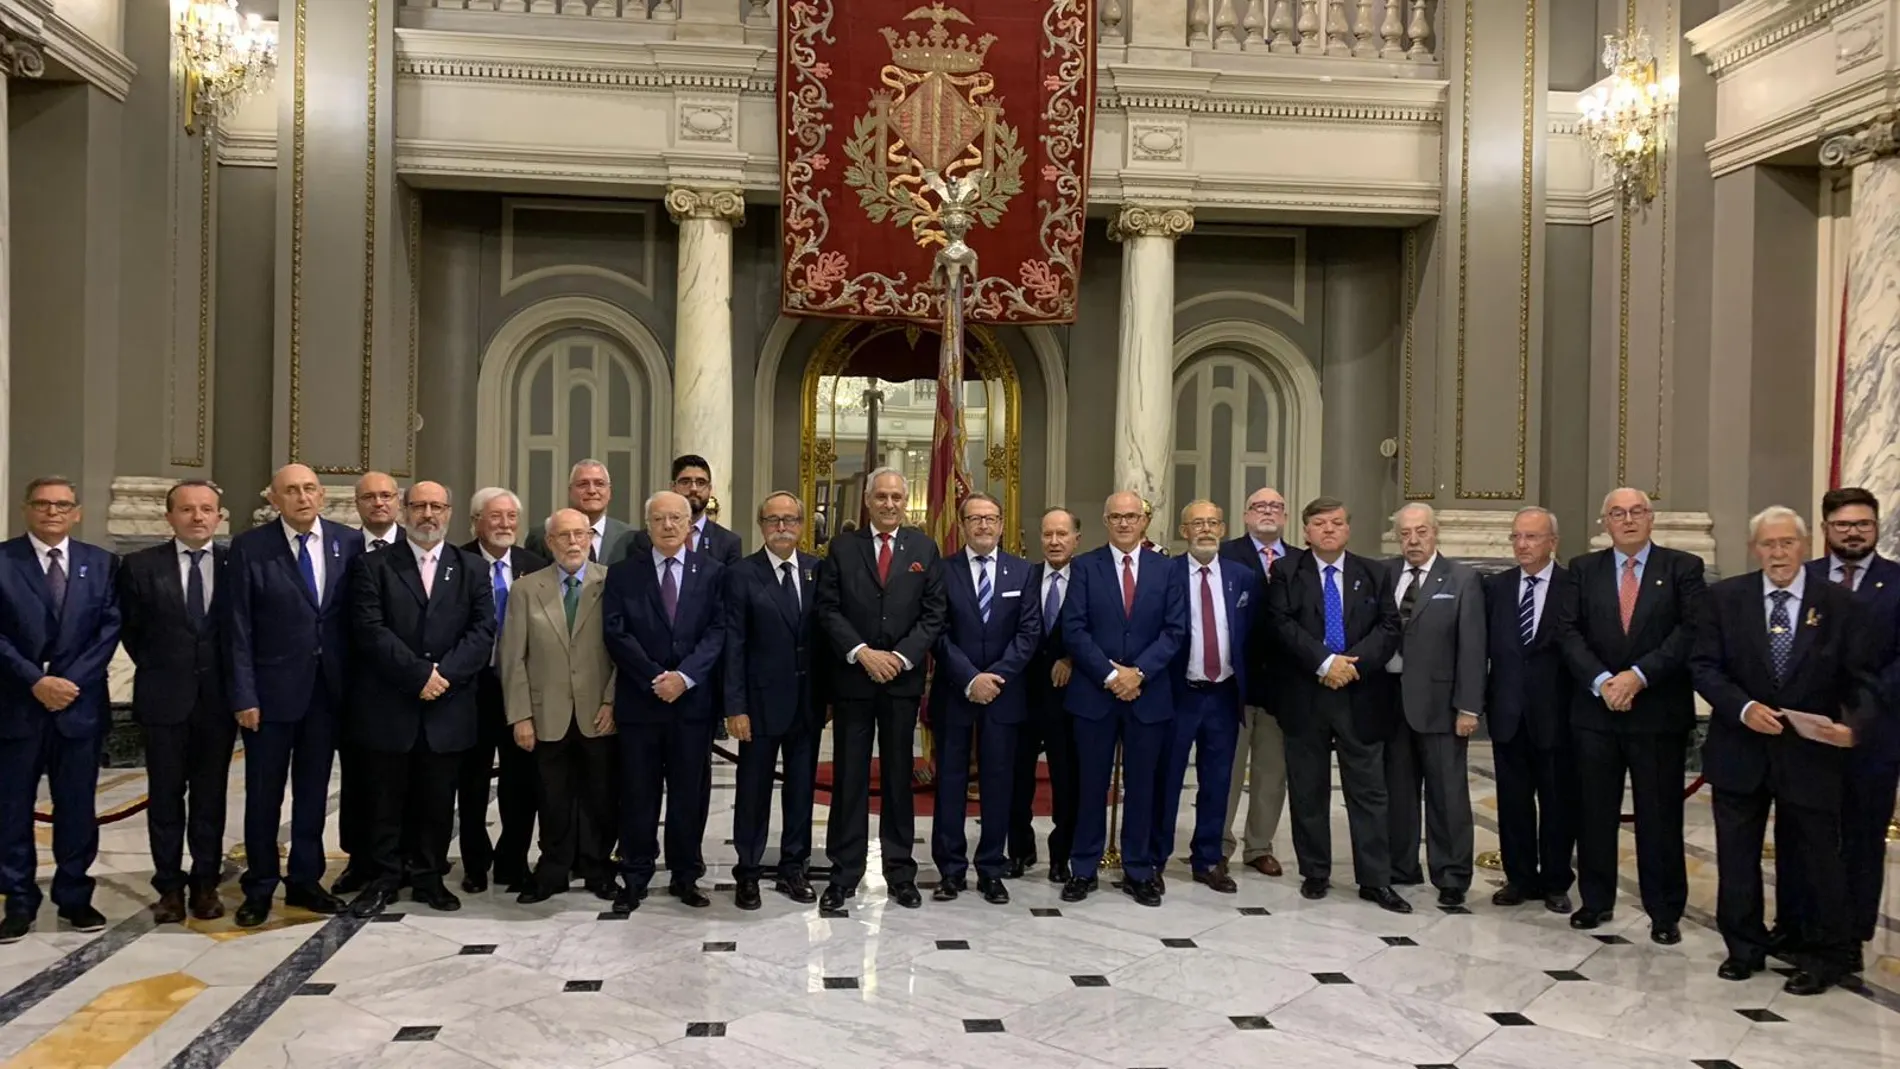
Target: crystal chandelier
{"type": "Point", "coordinates": [225, 55]}
{"type": "Point", "coordinates": [1626, 118]}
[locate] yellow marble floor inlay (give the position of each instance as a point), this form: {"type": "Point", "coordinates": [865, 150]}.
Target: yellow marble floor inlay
{"type": "Point", "coordinates": [108, 1027]}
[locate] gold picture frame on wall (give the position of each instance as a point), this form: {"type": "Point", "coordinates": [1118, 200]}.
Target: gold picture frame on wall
{"type": "Point", "coordinates": [831, 472]}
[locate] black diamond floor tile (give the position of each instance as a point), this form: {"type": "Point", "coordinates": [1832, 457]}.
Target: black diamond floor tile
{"type": "Point", "coordinates": [705, 1029]}
{"type": "Point", "coordinates": [1255, 911]}
{"type": "Point", "coordinates": [982, 1024]}
{"type": "Point", "coordinates": [1436, 1065]}
{"type": "Point", "coordinates": [1565, 974]}
{"type": "Point", "coordinates": [1251, 1023]}
{"type": "Point", "coordinates": [1611, 940]}
{"type": "Point", "coordinates": [581, 985]}
{"type": "Point", "coordinates": [822, 912]}
{"type": "Point", "coordinates": [1715, 1063]}
{"type": "Point", "coordinates": [610, 915]}
{"type": "Point", "coordinates": [316, 989]}
{"type": "Point", "coordinates": [386, 918]}
{"type": "Point", "coordinates": [1455, 911]}
{"type": "Point", "coordinates": [1178, 944]}
{"type": "Point", "coordinates": [1510, 1020]}
{"type": "Point", "coordinates": [1089, 981]}
{"type": "Point", "coordinates": [1332, 978]}
{"type": "Point", "coordinates": [841, 983]}
{"type": "Point", "coordinates": [417, 1033]}
{"type": "Point", "coordinates": [1762, 1016]}
{"type": "Point", "coordinates": [718, 948]}
{"type": "Point", "coordinates": [1045, 913]}
{"type": "Point", "coordinates": [478, 948]}
{"type": "Point", "coordinates": [1398, 940]}
{"type": "Point", "coordinates": [953, 944]}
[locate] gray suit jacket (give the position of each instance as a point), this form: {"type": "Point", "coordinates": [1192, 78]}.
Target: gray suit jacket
{"type": "Point", "coordinates": [1443, 647]}
{"type": "Point", "coordinates": [548, 675]}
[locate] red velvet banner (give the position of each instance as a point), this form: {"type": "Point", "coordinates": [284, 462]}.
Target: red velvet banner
{"type": "Point", "coordinates": [874, 98]}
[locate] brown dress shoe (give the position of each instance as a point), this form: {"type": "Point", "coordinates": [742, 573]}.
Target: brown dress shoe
{"type": "Point", "coordinates": [206, 905]}
{"type": "Point", "coordinates": [170, 908]}
{"type": "Point", "coordinates": [1266, 865]}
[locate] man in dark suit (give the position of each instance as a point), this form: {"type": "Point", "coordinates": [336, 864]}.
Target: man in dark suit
{"type": "Point", "coordinates": [590, 490]}
{"type": "Point", "coordinates": [1261, 746]}
{"type": "Point", "coordinates": [423, 620]}
{"type": "Point", "coordinates": [59, 625]}
{"type": "Point", "coordinates": [378, 508]}
{"type": "Point", "coordinates": [1528, 701]}
{"type": "Point", "coordinates": [1788, 667]}
{"type": "Point", "coordinates": [286, 631]}
{"type": "Point", "coordinates": [665, 629]}
{"type": "Point", "coordinates": [167, 600]}
{"type": "Point", "coordinates": [1335, 618]}
{"type": "Point", "coordinates": [772, 705]}
{"type": "Point", "coordinates": [881, 603]}
{"type": "Point", "coordinates": [992, 631]}
{"type": "Point", "coordinates": [1048, 728]}
{"type": "Point", "coordinates": [496, 516]}
{"type": "Point", "coordinates": [1851, 524]}
{"type": "Point", "coordinates": [1439, 696]}
{"type": "Point", "coordinates": [1209, 677]}
{"type": "Point", "coordinates": [692, 480]}
{"type": "Point", "coordinates": [1626, 640]}
{"type": "Point", "coordinates": [1124, 620]}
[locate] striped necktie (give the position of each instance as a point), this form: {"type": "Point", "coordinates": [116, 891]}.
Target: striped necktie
{"type": "Point", "coordinates": [983, 590]}
{"type": "Point", "coordinates": [1527, 611]}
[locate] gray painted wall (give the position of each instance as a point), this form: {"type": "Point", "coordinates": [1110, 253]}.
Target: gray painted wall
{"type": "Point", "coordinates": [246, 287]}
{"type": "Point", "coordinates": [1566, 395]}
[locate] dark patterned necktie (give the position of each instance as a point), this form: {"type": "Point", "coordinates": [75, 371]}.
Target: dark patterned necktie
{"type": "Point", "coordinates": [56, 581]}
{"type": "Point", "coordinates": [788, 588]}
{"type": "Point", "coordinates": [195, 589]}
{"type": "Point", "coordinates": [1408, 602]}
{"type": "Point", "coordinates": [669, 589]}
{"type": "Point", "coordinates": [1335, 610]}
{"type": "Point", "coordinates": [1780, 633]}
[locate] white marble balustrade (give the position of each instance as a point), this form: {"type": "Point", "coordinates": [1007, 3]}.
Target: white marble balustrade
{"type": "Point", "coordinates": [746, 12]}
{"type": "Point", "coordinates": [1336, 29]}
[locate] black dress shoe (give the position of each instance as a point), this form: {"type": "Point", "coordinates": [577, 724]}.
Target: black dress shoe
{"type": "Point", "coordinates": [948, 890]}
{"type": "Point", "coordinates": [1806, 982]}
{"type": "Point", "coordinates": [436, 897]}
{"type": "Point", "coordinates": [1586, 918]}
{"type": "Point", "coordinates": [1016, 867]}
{"type": "Point", "coordinates": [1450, 897]}
{"type": "Point", "coordinates": [1734, 968]}
{"type": "Point", "coordinates": [905, 894]}
{"type": "Point", "coordinates": [627, 900]}
{"type": "Point", "coordinates": [14, 927]}
{"type": "Point", "coordinates": [313, 898]}
{"type": "Point", "coordinates": [1218, 880]}
{"type": "Point", "coordinates": [1161, 883]}
{"type": "Point", "coordinates": [170, 908]}
{"type": "Point", "coordinates": [1558, 903]}
{"type": "Point", "coordinates": [1666, 935]}
{"type": "Point", "coordinates": [689, 894]}
{"type": "Point", "coordinates": [994, 891]}
{"type": "Point", "coordinates": [1144, 892]}
{"type": "Point", "coordinates": [475, 883]}
{"type": "Point", "coordinates": [253, 912]}
{"type": "Point", "coordinates": [84, 918]}
{"type": "Point", "coordinates": [1385, 898]}
{"type": "Point", "coordinates": [1059, 872]}
{"type": "Point", "coordinates": [1078, 888]}
{"type": "Point", "coordinates": [1313, 888]}
{"type": "Point", "coordinates": [354, 879]}
{"type": "Point", "coordinates": [533, 893]}
{"type": "Point", "coordinates": [832, 900]}
{"type": "Point", "coordinates": [602, 887]}
{"type": "Point", "coordinates": [205, 903]}
{"type": "Point", "coordinates": [373, 900]}
{"type": "Point", "coordinates": [1508, 895]}
{"type": "Point", "coordinates": [796, 887]}
{"type": "Point", "coordinates": [745, 894]}
{"type": "Point", "coordinates": [516, 876]}
{"type": "Point", "coordinates": [1786, 945]}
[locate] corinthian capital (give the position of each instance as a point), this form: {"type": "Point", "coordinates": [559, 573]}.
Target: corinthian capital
{"type": "Point", "coordinates": [1872, 141]}
{"type": "Point", "coordinates": [686, 202]}
{"type": "Point", "coordinates": [19, 57]}
{"type": "Point", "coordinates": [1149, 221]}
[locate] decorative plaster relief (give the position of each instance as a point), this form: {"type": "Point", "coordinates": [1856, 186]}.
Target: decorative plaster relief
{"type": "Point", "coordinates": [706, 121]}
{"type": "Point", "coordinates": [1157, 142]}
{"type": "Point", "coordinates": [137, 509]}
{"type": "Point", "coordinates": [1859, 39]}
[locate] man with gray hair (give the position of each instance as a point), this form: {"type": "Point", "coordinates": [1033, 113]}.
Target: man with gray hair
{"type": "Point", "coordinates": [590, 490]}
{"type": "Point", "coordinates": [1440, 666]}
{"type": "Point", "coordinates": [495, 519]}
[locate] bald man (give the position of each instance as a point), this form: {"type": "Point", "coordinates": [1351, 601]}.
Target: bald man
{"type": "Point", "coordinates": [287, 662]}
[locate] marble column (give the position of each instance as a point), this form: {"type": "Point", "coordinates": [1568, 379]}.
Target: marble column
{"type": "Point", "coordinates": [19, 58]}
{"type": "Point", "coordinates": [1870, 404]}
{"type": "Point", "coordinates": [702, 346]}
{"type": "Point", "coordinates": [1144, 374]}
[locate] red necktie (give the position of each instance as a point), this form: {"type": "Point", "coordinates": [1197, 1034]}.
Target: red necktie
{"type": "Point", "coordinates": [883, 558]}
{"type": "Point", "coordinates": [1128, 586]}
{"type": "Point", "coordinates": [1266, 554]}
{"type": "Point", "coordinates": [1626, 593]}
{"type": "Point", "coordinates": [1847, 574]}
{"type": "Point", "coordinates": [1210, 634]}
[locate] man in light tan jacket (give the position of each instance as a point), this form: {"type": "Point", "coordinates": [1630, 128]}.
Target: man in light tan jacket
{"type": "Point", "coordinates": [558, 687]}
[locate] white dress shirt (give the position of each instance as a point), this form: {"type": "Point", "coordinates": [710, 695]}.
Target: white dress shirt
{"type": "Point", "coordinates": [385, 540]}
{"type": "Point", "coordinates": [679, 583]}
{"type": "Point", "coordinates": [1050, 575]}
{"type": "Point", "coordinates": [1538, 592]}
{"type": "Point", "coordinates": [507, 568]}
{"type": "Point", "coordinates": [1196, 639]}
{"type": "Point", "coordinates": [317, 559]}
{"type": "Point", "coordinates": [778, 572]}
{"type": "Point", "coordinates": [44, 553]}
{"type": "Point", "coordinates": [976, 571]}
{"type": "Point", "coordinates": [205, 571]}
{"type": "Point", "coordinates": [1133, 562]}
{"type": "Point", "coordinates": [599, 536]}
{"type": "Point", "coordinates": [427, 556]}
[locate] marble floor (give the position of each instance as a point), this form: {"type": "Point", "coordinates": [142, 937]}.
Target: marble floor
{"type": "Point", "coordinates": [1255, 979]}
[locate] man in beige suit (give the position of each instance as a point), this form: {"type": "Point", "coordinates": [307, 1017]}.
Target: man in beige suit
{"type": "Point", "coordinates": [558, 687]}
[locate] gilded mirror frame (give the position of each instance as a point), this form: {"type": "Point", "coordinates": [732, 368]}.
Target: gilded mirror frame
{"type": "Point", "coordinates": [818, 452]}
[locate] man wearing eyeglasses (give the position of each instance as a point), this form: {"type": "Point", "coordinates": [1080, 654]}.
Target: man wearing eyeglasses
{"type": "Point", "coordinates": [1260, 745]}
{"type": "Point", "coordinates": [589, 491]}
{"type": "Point", "coordinates": [1852, 527]}
{"type": "Point", "coordinates": [1626, 635]}
{"type": "Point", "coordinates": [59, 625]}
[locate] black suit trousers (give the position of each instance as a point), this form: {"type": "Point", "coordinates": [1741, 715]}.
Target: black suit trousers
{"type": "Point", "coordinates": [514, 789]}
{"type": "Point", "coordinates": [577, 777]}
{"type": "Point", "coordinates": [675, 757]}
{"type": "Point", "coordinates": [188, 769]}
{"type": "Point", "coordinates": [892, 722]}
{"type": "Point", "coordinates": [1867, 797]}
{"type": "Point", "coordinates": [1051, 730]}
{"type": "Point", "coordinates": [413, 814]}
{"type": "Point", "coordinates": [752, 808]}
{"type": "Point", "coordinates": [300, 754]}
{"type": "Point", "coordinates": [1654, 765]}
{"type": "Point", "coordinates": [1537, 799]}
{"type": "Point", "coordinates": [355, 805]}
{"type": "Point", "coordinates": [1309, 793]}
{"type": "Point", "coordinates": [1741, 821]}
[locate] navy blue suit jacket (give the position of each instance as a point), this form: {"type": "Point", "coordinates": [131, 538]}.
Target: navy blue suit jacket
{"type": "Point", "coordinates": [1528, 688]}
{"type": "Point", "coordinates": [767, 672]}
{"type": "Point", "coordinates": [1245, 596]}
{"type": "Point", "coordinates": [75, 646]}
{"type": "Point", "coordinates": [1266, 660]}
{"type": "Point", "coordinates": [643, 644]}
{"type": "Point", "coordinates": [282, 646]}
{"type": "Point", "coordinates": [1004, 645]}
{"type": "Point", "coordinates": [1098, 632]}
{"type": "Point", "coordinates": [1879, 594]}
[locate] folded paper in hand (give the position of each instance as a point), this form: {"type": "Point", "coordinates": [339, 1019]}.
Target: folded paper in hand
{"type": "Point", "coordinates": [1810, 725]}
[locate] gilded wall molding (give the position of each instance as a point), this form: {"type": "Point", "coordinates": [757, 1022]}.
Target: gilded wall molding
{"type": "Point", "coordinates": [207, 157]}
{"type": "Point", "coordinates": [298, 115]}
{"type": "Point", "coordinates": [366, 431]}
{"type": "Point", "coordinates": [1149, 221]}
{"type": "Point", "coordinates": [413, 241]}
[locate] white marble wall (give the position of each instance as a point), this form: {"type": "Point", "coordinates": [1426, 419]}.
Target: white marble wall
{"type": "Point", "coordinates": [1870, 403]}
{"type": "Point", "coordinates": [1144, 389]}
{"type": "Point", "coordinates": [702, 348]}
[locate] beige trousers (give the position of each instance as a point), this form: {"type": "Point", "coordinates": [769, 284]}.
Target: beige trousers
{"type": "Point", "coordinates": [1262, 743]}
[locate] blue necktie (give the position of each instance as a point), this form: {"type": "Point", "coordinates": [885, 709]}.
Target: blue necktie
{"type": "Point", "coordinates": [983, 591]}
{"type": "Point", "coordinates": [1780, 633]}
{"type": "Point", "coordinates": [669, 589]}
{"type": "Point", "coordinates": [1335, 612]}
{"type": "Point", "coordinates": [195, 589]}
{"type": "Point", "coordinates": [1052, 605]}
{"type": "Point", "coordinates": [1527, 611]}
{"type": "Point", "coordinates": [307, 567]}
{"type": "Point", "coordinates": [501, 596]}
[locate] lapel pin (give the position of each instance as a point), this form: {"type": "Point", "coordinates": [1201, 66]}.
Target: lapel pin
{"type": "Point", "coordinates": [1814, 618]}
{"type": "Point", "coordinates": [82, 571]}
{"type": "Point", "coordinates": [808, 575]}
{"type": "Point", "coordinates": [1659, 582]}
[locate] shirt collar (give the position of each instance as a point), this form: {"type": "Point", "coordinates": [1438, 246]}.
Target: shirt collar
{"type": "Point", "coordinates": [1121, 553]}
{"type": "Point", "coordinates": [777, 560]}
{"type": "Point", "coordinates": [600, 525]}
{"type": "Point", "coordinates": [316, 528]}
{"type": "Point", "coordinates": [1213, 565]}
{"type": "Point", "coordinates": [1278, 546]}
{"type": "Point", "coordinates": [1798, 587]}
{"type": "Point", "coordinates": [1642, 557]}
{"type": "Point", "coordinates": [420, 552]}
{"type": "Point", "coordinates": [42, 549]}
{"type": "Point", "coordinates": [1424, 569]}
{"type": "Point", "coordinates": [1835, 563]}
{"type": "Point", "coordinates": [1542, 576]}
{"type": "Point", "coordinates": [678, 555]}
{"type": "Point", "coordinates": [505, 558]}
{"type": "Point", "coordinates": [182, 548]}
{"type": "Point", "coordinates": [971, 554]}
{"type": "Point", "coordinates": [579, 573]}
{"type": "Point", "coordinates": [1062, 571]}
{"type": "Point", "coordinates": [387, 538]}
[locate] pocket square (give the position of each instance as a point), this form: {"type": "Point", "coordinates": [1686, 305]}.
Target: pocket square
{"type": "Point", "coordinates": [1012, 594]}
{"type": "Point", "coordinates": [1242, 603]}
{"type": "Point", "coordinates": [916, 566]}
{"type": "Point", "coordinates": [1447, 597]}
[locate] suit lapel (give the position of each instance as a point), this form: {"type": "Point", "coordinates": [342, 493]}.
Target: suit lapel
{"type": "Point", "coordinates": [328, 543]}
{"type": "Point", "coordinates": [552, 602]}
{"type": "Point", "coordinates": [168, 578]}
{"type": "Point", "coordinates": [287, 560]}
{"type": "Point", "coordinates": [410, 572]}
{"type": "Point", "coordinates": [1804, 634]}
{"type": "Point", "coordinates": [28, 564]}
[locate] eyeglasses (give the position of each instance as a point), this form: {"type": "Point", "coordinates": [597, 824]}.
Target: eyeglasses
{"type": "Point", "coordinates": [1124, 517]}
{"type": "Point", "coordinates": [428, 506]}
{"type": "Point", "coordinates": [1267, 506]}
{"type": "Point", "coordinates": [665, 521]}
{"type": "Point", "coordinates": [589, 484]}
{"type": "Point", "coordinates": [692, 482]}
{"type": "Point", "coordinates": [57, 508]}
{"type": "Point", "coordinates": [1640, 512]}
{"type": "Point", "coordinates": [1851, 526]}
{"type": "Point", "coordinates": [585, 534]}
{"type": "Point", "coordinates": [983, 521]}
{"type": "Point", "coordinates": [1518, 536]}
{"type": "Point", "coordinates": [780, 521]}
{"type": "Point", "coordinates": [1204, 523]}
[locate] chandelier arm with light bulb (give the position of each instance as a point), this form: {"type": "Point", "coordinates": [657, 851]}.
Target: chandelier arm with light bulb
{"type": "Point", "coordinates": [1627, 118]}
{"type": "Point", "coordinates": [223, 55]}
